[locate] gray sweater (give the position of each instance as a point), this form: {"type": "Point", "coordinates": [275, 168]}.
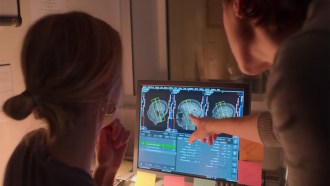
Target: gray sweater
{"type": "Point", "coordinates": [298, 98]}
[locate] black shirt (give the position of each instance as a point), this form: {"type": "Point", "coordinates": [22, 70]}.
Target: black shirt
{"type": "Point", "coordinates": [32, 165]}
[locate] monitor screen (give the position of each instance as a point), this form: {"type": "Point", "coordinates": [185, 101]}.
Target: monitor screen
{"type": "Point", "coordinates": [163, 129]}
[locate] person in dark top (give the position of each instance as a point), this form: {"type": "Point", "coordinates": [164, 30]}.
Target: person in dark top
{"type": "Point", "coordinates": [292, 39]}
{"type": "Point", "coordinates": [71, 66]}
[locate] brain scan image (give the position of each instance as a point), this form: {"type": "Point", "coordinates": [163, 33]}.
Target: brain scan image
{"type": "Point", "coordinates": [223, 110]}
{"type": "Point", "coordinates": [157, 111]}
{"type": "Point", "coordinates": [186, 107]}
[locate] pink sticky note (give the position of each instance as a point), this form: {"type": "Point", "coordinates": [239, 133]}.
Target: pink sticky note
{"type": "Point", "coordinates": [173, 180]}
{"type": "Point", "coordinates": [249, 173]}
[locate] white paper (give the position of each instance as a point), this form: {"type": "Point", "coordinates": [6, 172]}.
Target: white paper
{"type": "Point", "coordinates": [6, 87]}
{"type": "Point", "coordinates": [40, 8]}
{"type": "Point", "coordinates": [8, 8]}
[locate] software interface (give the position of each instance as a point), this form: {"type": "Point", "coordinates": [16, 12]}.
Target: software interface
{"type": "Point", "coordinates": [165, 128]}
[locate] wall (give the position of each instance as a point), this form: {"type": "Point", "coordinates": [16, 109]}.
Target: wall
{"type": "Point", "coordinates": [149, 40]}
{"type": "Point", "coordinates": [186, 23]}
{"type": "Point", "coordinates": [149, 51]}
{"type": "Point", "coordinates": [198, 46]}
{"type": "Point", "coordinates": [10, 44]}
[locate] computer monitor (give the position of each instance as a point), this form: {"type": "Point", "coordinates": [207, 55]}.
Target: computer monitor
{"type": "Point", "coordinates": [163, 128]}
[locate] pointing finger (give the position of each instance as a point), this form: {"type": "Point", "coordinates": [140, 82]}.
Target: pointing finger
{"type": "Point", "coordinates": [192, 138]}
{"type": "Point", "coordinates": [194, 120]}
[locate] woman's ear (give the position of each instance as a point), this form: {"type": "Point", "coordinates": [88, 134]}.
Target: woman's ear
{"type": "Point", "coordinates": [238, 7]}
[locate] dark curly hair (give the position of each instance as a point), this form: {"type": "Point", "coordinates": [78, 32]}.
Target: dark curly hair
{"type": "Point", "coordinates": [275, 15]}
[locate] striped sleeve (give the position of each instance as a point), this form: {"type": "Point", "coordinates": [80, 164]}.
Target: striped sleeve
{"type": "Point", "coordinates": [266, 131]}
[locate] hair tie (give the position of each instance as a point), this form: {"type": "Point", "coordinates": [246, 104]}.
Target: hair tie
{"type": "Point", "coordinates": [28, 94]}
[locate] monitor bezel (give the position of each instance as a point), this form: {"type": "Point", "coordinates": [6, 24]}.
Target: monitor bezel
{"type": "Point", "coordinates": [208, 84]}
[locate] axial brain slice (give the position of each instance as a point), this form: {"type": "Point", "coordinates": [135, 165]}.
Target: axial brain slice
{"type": "Point", "coordinates": [223, 110]}
{"type": "Point", "coordinates": [186, 107]}
{"type": "Point", "coordinates": [157, 111]}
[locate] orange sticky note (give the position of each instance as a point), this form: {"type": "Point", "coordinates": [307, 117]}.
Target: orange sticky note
{"type": "Point", "coordinates": [251, 151]}
{"type": "Point", "coordinates": [249, 173]}
{"type": "Point", "coordinates": [188, 184]}
{"type": "Point", "coordinates": [174, 180]}
{"type": "Point", "coordinates": [145, 179]}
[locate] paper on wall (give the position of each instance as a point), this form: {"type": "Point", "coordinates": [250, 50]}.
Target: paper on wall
{"type": "Point", "coordinates": [6, 87]}
{"type": "Point", "coordinates": [40, 8]}
{"type": "Point", "coordinates": [8, 8]}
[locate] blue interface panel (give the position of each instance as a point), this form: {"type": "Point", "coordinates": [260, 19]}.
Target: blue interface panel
{"type": "Point", "coordinates": [165, 128]}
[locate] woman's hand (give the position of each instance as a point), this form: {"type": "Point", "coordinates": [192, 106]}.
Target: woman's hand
{"type": "Point", "coordinates": [110, 151]}
{"type": "Point", "coordinates": [208, 128]}
{"type": "Point", "coordinates": [202, 133]}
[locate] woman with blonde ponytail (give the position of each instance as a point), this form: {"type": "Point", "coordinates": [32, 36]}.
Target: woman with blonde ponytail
{"type": "Point", "coordinates": [71, 66]}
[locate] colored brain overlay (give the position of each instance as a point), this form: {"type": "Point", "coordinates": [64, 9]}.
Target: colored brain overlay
{"type": "Point", "coordinates": [223, 110]}
{"type": "Point", "coordinates": [157, 110]}
{"type": "Point", "coordinates": [186, 107]}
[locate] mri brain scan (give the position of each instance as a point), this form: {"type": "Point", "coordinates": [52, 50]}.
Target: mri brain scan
{"type": "Point", "coordinates": [157, 111]}
{"type": "Point", "coordinates": [223, 110]}
{"type": "Point", "coordinates": [186, 107]}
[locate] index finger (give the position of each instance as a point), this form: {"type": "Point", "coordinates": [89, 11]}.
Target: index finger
{"type": "Point", "coordinates": [193, 119]}
{"type": "Point", "coordinates": [192, 138]}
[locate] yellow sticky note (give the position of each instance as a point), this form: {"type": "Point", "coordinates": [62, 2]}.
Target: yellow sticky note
{"type": "Point", "coordinates": [145, 179]}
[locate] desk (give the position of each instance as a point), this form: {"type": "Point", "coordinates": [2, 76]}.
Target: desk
{"type": "Point", "coordinates": [125, 167]}
{"type": "Point", "coordinates": [270, 178]}
{"type": "Point", "coordinates": [125, 172]}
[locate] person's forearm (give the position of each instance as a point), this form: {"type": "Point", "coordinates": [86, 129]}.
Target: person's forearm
{"type": "Point", "coordinates": [244, 127]}
{"type": "Point", "coordinates": [102, 177]}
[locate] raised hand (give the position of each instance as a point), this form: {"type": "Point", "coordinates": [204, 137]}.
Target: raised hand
{"type": "Point", "coordinates": [110, 151]}
{"type": "Point", "coordinates": [202, 133]}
